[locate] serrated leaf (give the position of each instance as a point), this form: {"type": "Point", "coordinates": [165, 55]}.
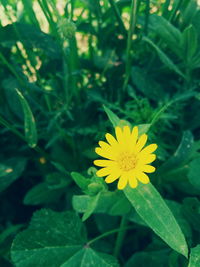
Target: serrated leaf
{"type": "Point", "coordinates": [50, 240]}
{"type": "Point", "coordinates": [29, 121]}
{"type": "Point", "coordinates": [194, 260]}
{"type": "Point", "coordinates": [88, 257]}
{"type": "Point", "coordinates": [10, 170]}
{"type": "Point", "coordinates": [151, 207]}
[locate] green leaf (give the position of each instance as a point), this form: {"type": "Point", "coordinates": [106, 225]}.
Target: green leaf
{"type": "Point", "coordinates": [59, 167]}
{"type": "Point", "coordinates": [190, 209]}
{"type": "Point", "coordinates": [30, 12]}
{"type": "Point", "coordinates": [10, 170]}
{"type": "Point", "coordinates": [167, 32]}
{"type": "Point", "coordinates": [88, 257]}
{"type": "Point", "coordinates": [189, 42]}
{"type": "Point", "coordinates": [194, 173]}
{"type": "Point", "coordinates": [153, 210]}
{"type": "Point", "coordinates": [143, 128]}
{"type": "Point", "coordinates": [188, 12]}
{"type": "Point", "coordinates": [146, 84]}
{"type": "Point", "coordinates": [151, 259]}
{"type": "Point", "coordinates": [114, 119]}
{"type": "Point", "coordinates": [29, 122]}
{"type": "Point", "coordinates": [80, 180]}
{"type": "Point", "coordinates": [12, 229]}
{"type": "Point", "coordinates": [51, 239]}
{"type": "Point", "coordinates": [194, 260]}
{"type": "Point", "coordinates": [164, 58]}
{"type": "Point", "coordinates": [91, 206]}
{"type": "Point", "coordinates": [112, 203]}
{"type": "Point", "coordinates": [42, 194]}
{"type": "Point", "coordinates": [180, 156]}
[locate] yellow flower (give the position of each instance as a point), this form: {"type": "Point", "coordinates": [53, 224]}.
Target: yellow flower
{"type": "Point", "coordinates": [126, 159]}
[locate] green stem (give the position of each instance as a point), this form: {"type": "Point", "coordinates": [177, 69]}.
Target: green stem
{"type": "Point", "coordinates": [146, 23]}
{"type": "Point", "coordinates": [129, 42]}
{"type": "Point", "coordinates": [175, 8]}
{"type": "Point", "coordinates": [111, 232]}
{"type": "Point", "coordinates": [10, 67]}
{"type": "Point", "coordinates": [120, 236]}
{"type": "Point", "coordinates": [118, 16]}
{"type": "Point", "coordinates": [48, 15]}
{"type": "Point", "coordinates": [21, 136]}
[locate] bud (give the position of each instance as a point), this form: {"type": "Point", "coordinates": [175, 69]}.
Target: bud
{"type": "Point", "coordinates": [94, 188]}
{"type": "Point", "coordinates": [66, 28]}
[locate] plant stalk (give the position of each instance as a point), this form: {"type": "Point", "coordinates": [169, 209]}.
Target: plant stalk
{"type": "Point", "coordinates": [129, 42]}
{"type": "Point", "coordinates": [111, 232]}
{"type": "Point", "coordinates": [120, 236]}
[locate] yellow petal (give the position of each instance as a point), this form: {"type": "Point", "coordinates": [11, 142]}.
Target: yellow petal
{"type": "Point", "coordinates": [133, 182]}
{"type": "Point", "coordinates": [146, 159]}
{"type": "Point", "coordinates": [104, 145]}
{"type": "Point", "coordinates": [103, 172]}
{"type": "Point", "coordinates": [119, 134]}
{"type": "Point", "coordinates": [134, 134]}
{"type": "Point", "coordinates": [149, 149]}
{"type": "Point", "coordinates": [148, 168]}
{"type": "Point", "coordinates": [112, 177]}
{"type": "Point", "coordinates": [105, 153]}
{"type": "Point", "coordinates": [133, 139]}
{"type": "Point", "coordinates": [104, 163]}
{"type": "Point", "coordinates": [111, 140]}
{"type": "Point", "coordinates": [142, 177]}
{"type": "Point", "coordinates": [141, 142]}
{"type": "Point", "coordinates": [123, 180]}
{"type": "Point", "coordinates": [126, 132]}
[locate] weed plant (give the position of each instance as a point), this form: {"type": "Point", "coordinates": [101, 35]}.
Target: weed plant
{"type": "Point", "coordinates": [70, 70]}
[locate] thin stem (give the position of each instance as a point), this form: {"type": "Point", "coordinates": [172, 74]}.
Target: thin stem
{"type": "Point", "coordinates": [174, 10]}
{"type": "Point", "coordinates": [120, 236]}
{"type": "Point", "coordinates": [129, 42]}
{"type": "Point", "coordinates": [118, 16]}
{"type": "Point", "coordinates": [107, 234]}
{"type": "Point", "coordinates": [146, 23]}
{"type": "Point", "coordinates": [48, 15]}
{"type": "Point", "coordinates": [21, 136]}
{"type": "Point", "coordinates": [10, 67]}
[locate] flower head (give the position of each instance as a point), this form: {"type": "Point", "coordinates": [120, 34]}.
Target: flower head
{"type": "Point", "coordinates": [126, 157]}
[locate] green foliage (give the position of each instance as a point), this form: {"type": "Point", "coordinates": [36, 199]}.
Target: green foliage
{"type": "Point", "coordinates": [144, 199]}
{"type": "Point", "coordinates": [195, 257]}
{"type": "Point", "coordinates": [10, 170]}
{"type": "Point", "coordinates": [71, 71]}
{"type": "Point", "coordinates": [56, 239]}
{"type": "Point", "coordinates": [29, 122]}
{"type": "Point", "coordinates": [51, 239]}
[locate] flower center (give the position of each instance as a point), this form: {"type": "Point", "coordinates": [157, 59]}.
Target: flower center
{"type": "Point", "coordinates": [127, 161]}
